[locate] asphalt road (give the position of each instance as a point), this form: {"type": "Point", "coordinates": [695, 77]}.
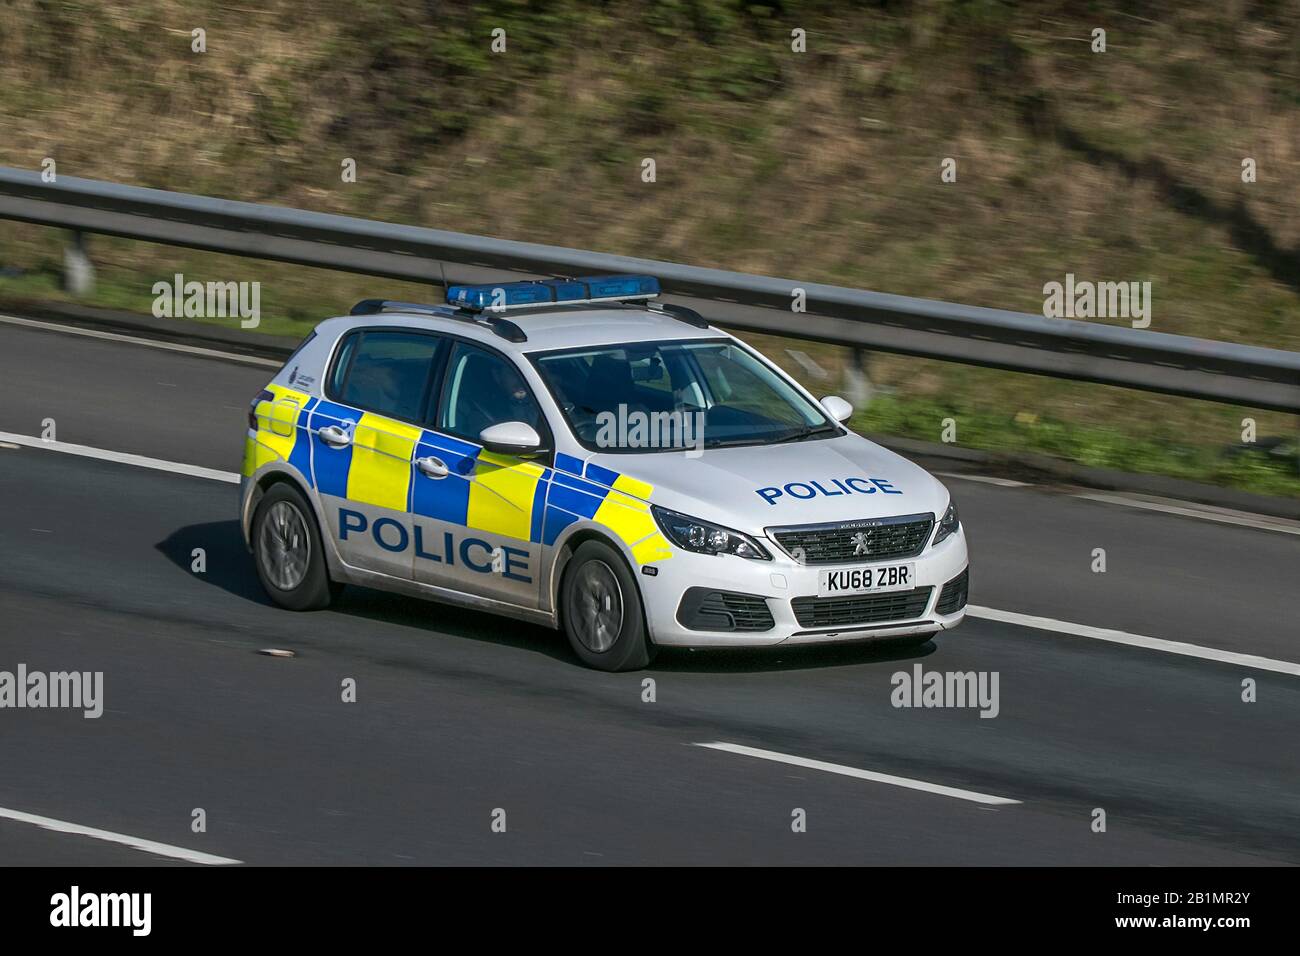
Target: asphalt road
{"type": "Point", "coordinates": [460, 714]}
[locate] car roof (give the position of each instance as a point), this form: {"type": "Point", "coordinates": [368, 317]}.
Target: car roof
{"type": "Point", "coordinates": [547, 327]}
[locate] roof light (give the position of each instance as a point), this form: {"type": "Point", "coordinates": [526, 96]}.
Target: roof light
{"type": "Point", "coordinates": [520, 295]}
{"type": "Point", "coordinates": [621, 287]}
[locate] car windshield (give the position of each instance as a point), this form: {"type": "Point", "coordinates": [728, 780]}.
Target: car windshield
{"type": "Point", "coordinates": [657, 396]}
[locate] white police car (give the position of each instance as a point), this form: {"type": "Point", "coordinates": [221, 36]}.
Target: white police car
{"type": "Point", "coordinates": [568, 453]}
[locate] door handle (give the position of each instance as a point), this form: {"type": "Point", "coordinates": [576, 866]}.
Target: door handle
{"type": "Point", "coordinates": [334, 436]}
{"type": "Point", "coordinates": [432, 467]}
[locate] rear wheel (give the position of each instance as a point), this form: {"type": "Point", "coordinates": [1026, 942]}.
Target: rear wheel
{"type": "Point", "coordinates": [288, 553]}
{"type": "Point", "coordinates": [601, 610]}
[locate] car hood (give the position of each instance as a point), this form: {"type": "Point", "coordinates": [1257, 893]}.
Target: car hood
{"type": "Point", "coordinates": [761, 486]}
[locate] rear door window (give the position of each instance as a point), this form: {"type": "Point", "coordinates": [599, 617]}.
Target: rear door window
{"type": "Point", "coordinates": [389, 372]}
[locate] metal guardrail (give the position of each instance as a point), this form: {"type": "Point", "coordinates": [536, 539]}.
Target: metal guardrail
{"type": "Point", "coordinates": [1060, 348]}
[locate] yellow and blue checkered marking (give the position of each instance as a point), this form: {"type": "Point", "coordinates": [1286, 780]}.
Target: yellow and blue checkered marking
{"type": "Point", "coordinates": [331, 465]}
{"type": "Point", "coordinates": [281, 432]}
{"type": "Point", "coordinates": [380, 471]}
{"type": "Point", "coordinates": [483, 491]}
{"type": "Point", "coordinates": [599, 494]}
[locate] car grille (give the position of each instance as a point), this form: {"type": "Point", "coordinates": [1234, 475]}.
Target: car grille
{"type": "Point", "coordinates": [844, 542]}
{"type": "Point", "coordinates": [953, 596]}
{"type": "Point", "coordinates": [862, 609]}
{"type": "Point", "coordinates": [705, 610]}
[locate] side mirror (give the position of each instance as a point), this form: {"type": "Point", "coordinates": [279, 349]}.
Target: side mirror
{"type": "Point", "coordinates": [837, 408]}
{"type": "Point", "coordinates": [510, 438]}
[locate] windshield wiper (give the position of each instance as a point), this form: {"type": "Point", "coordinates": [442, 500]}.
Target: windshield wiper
{"type": "Point", "coordinates": [806, 432]}
{"type": "Point", "coordinates": [799, 435]}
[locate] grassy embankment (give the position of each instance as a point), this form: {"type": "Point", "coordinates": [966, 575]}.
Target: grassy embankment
{"type": "Point", "coordinates": [824, 165]}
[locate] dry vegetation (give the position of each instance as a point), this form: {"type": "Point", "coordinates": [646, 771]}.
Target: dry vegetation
{"type": "Point", "coordinates": [824, 166]}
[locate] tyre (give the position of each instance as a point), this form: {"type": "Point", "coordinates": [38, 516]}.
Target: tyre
{"type": "Point", "coordinates": [288, 553]}
{"type": "Point", "coordinates": [601, 610]}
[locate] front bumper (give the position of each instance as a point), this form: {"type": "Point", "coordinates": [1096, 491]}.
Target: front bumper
{"type": "Point", "coordinates": [779, 582]}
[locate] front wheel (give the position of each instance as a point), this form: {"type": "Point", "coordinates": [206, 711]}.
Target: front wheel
{"type": "Point", "coordinates": [601, 610]}
{"type": "Point", "coordinates": [288, 553]}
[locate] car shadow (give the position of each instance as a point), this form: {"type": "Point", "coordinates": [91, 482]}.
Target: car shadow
{"type": "Point", "coordinates": [790, 658]}
{"type": "Point", "coordinates": [229, 566]}
{"type": "Point", "coordinates": [450, 620]}
{"type": "Point", "coordinates": [227, 563]}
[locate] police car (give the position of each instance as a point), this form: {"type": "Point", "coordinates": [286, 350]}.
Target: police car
{"type": "Point", "coordinates": [572, 453]}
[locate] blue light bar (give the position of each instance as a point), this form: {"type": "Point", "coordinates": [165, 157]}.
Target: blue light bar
{"type": "Point", "coordinates": [620, 287]}
{"type": "Point", "coordinates": [520, 295]}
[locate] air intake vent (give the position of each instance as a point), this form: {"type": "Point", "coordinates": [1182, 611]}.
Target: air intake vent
{"type": "Point", "coordinates": [703, 609]}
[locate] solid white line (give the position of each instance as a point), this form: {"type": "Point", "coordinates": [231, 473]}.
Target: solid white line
{"type": "Point", "coordinates": [992, 614]}
{"type": "Point", "coordinates": [140, 461]}
{"type": "Point", "coordinates": [135, 843]}
{"type": "Point", "coordinates": [986, 479]}
{"type": "Point", "coordinates": [135, 340]}
{"type": "Point", "coordinates": [871, 775]}
{"type": "Point", "coordinates": [1182, 509]}
{"type": "Point", "coordinates": [1136, 640]}
{"type": "Point", "coordinates": [1205, 512]}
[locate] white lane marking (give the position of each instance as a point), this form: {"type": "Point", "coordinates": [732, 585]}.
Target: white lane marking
{"type": "Point", "coordinates": [135, 340]}
{"type": "Point", "coordinates": [986, 479]}
{"type": "Point", "coordinates": [871, 775]}
{"type": "Point", "coordinates": [992, 614]}
{"type": "Point", "coordinates": [135, 843]}
{"type": "Point", "coordinates": [1204, 512]}
{"type": "Point", "coordinates": [1136, 640]}
{"type": "Point", "coordinates": [1171, 506]}
{"type": "Point", "coordinates": [140, 461]}
{"type": "Point", "coordinates": [1225, 516]}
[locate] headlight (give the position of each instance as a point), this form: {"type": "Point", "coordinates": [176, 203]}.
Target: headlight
{"type": "Point", "coordinates": [703, 537]}
{"type": "Point", "coordinates": [949, 524]}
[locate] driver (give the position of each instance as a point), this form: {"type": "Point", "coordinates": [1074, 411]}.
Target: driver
{"type": "Point", "coordinates": [517, 405]}
{"type": "Point", "coordinates": [499, 396]}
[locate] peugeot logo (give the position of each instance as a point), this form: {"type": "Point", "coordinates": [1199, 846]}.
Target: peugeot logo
{"type": "Point", "coordinates": [860, 545]}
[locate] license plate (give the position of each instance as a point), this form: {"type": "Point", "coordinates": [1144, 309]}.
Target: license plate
{"type": "Point", "coordinates": [881, 577]}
